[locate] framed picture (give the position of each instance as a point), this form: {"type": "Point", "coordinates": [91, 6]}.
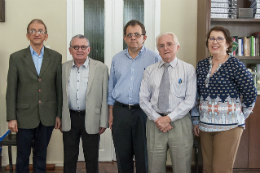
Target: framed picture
{"type": "Point", "coordinates": [2, 10]}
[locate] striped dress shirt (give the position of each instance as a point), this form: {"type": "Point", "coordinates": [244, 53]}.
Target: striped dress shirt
{"type": "Point", "coordinates": [182, 89]}
{"type": "Point", "coordinates": [78, 83]}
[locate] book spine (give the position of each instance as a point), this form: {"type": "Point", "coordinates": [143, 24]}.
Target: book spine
{"type": "Point", "coordinates": [257, 45]}
{"type": "Point", "coordinates": [246, 46]}
{"type": "Point", "coordinates": [257, 16]}
{"type": "Point", "coordinates": [252, 46]}
{"type": "Point", "coordinates": [234, 52]}
{"type": "Point", "coordinates": [239, 47]}
{"type": "Point", "coordinates": [222, 5]}
{"type": "Point", "coordinates": [213, 15]}
{"type": "Point", "coordinates": [242, 47]}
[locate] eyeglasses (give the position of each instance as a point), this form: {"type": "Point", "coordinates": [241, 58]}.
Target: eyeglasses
{"type": "Point", "coordinates": [218, 39]}
{"type": "Point", "coordinates": [162, 46]}
{"type": "Point", "coordinates": [136, 35]}
{"type": "Point", "coordinates": [82, 47]}
{"type": "Point", "coordinates": [39, 32]}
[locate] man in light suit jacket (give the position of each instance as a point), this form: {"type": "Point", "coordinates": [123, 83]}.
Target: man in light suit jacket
{"type": "Point", "coordinates": [34, 97]}
{"type": "Point", "coordinates": [85, 109]}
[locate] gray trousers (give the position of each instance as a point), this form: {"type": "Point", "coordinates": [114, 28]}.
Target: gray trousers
{"type": "Point", "coordinates": [178, 140]}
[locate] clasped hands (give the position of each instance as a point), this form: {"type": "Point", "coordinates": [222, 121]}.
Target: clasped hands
{"type": "Point", "coordinates": [163, 123]}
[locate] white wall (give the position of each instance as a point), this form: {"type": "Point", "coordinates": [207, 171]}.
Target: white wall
{"type": "Point", "coordinates": [13, 37]}
{"type": "Point", "coordinates": [178, 16]}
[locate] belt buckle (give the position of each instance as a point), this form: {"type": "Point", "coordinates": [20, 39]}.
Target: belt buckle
{"type": "Point", "coordinates": [129, 106]}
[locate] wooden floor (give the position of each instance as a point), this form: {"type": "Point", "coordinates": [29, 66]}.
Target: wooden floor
{"type": "Point", "coordinates": [111, 167]}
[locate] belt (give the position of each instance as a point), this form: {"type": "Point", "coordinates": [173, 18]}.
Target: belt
{"type": "Point", "coordinates": [129, 106]}
{"type": "Point", "coordinates": [162, 114]}
{"type": "Point", "coordinates": [78, 112]}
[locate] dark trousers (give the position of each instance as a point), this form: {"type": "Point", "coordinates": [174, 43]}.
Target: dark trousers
{"type": "Point", "coordinates": [90, 144]}
{"type": "Point", "coordinates": [40, 138]}
{"type": "Point", "coordinates": [129, 136]}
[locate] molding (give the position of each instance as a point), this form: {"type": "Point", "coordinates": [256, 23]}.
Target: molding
{"type": "Point", "coordinates": [75, 20]}
{"type": "Point", "coordinates": [152, 22]}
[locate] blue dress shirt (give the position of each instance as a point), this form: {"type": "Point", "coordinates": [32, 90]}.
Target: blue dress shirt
{"type": "Point", "coordinates": [37, 59]}
{"type": "Point", "coordinates": [126, 75]}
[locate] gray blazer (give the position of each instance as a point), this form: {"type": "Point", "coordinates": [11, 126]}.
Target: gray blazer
{"type": "Point", "coordinates": [96, 99]}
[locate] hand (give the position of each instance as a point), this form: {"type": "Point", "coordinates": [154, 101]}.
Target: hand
{"type": "Point", "coordinates": [12, 125]}
{"type": "Point", "coordinates": [162, 122]}
{"type": "Point", "coordinates": [196, 130]}
{"type": "Point", "coordinates": [167, 128]}
{"type": "Point", "coordinates": [57, 123]}
{"type": "Point", "coordinates": [110, 121]}
{"type": "Point", "coordinates": [101, 130]}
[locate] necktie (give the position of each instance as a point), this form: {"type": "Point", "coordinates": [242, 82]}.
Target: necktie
{"type": "Point", "coordinates": [164, 90]}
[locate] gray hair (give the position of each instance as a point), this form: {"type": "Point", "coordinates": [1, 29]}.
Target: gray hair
{"type": "Point", "coordinates": [79, 36]}
{"type": "Point", "coordinates": [175, 39]}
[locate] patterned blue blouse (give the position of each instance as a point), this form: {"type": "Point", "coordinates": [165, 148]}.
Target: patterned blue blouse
{"type": "Point", "coordinates": [227, 100]}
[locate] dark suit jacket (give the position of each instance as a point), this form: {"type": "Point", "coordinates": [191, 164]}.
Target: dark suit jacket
{"type": "Point", "coordinates": [33, 98]}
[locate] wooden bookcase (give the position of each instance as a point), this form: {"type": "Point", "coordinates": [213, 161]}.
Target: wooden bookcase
{"type": "Point", "coordinates": [248, 156]}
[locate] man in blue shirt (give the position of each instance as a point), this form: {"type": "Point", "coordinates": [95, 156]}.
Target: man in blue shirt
{"type": "Point", "coordinates": [126, 119]}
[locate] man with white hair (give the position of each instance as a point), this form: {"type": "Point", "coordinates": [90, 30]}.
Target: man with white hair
{"type": "Point", "coordinates": [167, 94]}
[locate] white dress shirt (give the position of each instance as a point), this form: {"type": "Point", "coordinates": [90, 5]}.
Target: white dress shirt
{"type": "Point", "coordinates": [78, 83]}
{"type": "Point", "coordinates": [182, 90]}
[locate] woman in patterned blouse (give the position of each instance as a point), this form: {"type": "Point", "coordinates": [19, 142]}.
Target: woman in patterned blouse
{"type": "Point", "coordinates": [226, 97]}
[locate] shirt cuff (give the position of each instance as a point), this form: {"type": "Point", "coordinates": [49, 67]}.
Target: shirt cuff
{"type": "Point", "coordinates": [195, 120]}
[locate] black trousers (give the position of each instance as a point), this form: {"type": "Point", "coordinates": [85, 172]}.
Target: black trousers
{"type": "Point", "coordinates": [41, 136]}
{"type": "Point", "coordinates": [90, 144]}
{"type": "Point", "coordinates": [129, 136]}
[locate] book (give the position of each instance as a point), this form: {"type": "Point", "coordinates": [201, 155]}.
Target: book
{"type": "Point", "coordinates": [240, 47]}
{"type": "Point", "coordinates": [252, 46]}
{"type": "Point", "coordinates": [257, 16]}
{"type": "Point", "coordinates": [223, 0]}
{"type": "Point", "coordinates": [246, 42]}
{"type": "Point", "coordinates": [215, 15]}
{"type": "Point", "coordinates": [220, 15]}
{"type": "Point", "coordinates": [223, 10]}
{"type": "Point", "coordinates": [222, 5]}
{"type": "Point", "coordinates": [257, 10]}
{"type": "Point", "coordinates": [257, 53]}
{"type": "Point", "coordinates": [235, 39]}
{"type": "Point", "coordinates": [257, 36]}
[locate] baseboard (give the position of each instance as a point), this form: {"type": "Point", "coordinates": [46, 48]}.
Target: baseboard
{"type": "Point", "coordinates": [48, 167]}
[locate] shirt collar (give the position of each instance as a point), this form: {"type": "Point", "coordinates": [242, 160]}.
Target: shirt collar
{"type": "Point", "coordinates": [140, 53]}
{"type": "Point", "coordinates": [84, 65]}
{"type": "Point", "coordinates": [33, 52]}
{"type": "Point", "coordinates": [172, 63]}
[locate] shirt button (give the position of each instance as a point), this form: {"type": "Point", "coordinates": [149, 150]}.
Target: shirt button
{"type": "Point", "coordinates": [77, 80]}
{"type": "Point", "coordinates": [40, 101]}
{"type": "Point", "coordinates": [39, 80]}
{"type": "Point", "coordinates": [40, 90]}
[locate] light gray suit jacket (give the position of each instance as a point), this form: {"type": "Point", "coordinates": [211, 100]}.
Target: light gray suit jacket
{"type": "Point", "coordinates": [96, 99]}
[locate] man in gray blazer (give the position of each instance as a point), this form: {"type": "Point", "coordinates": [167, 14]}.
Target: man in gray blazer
{"type": "Point", "coordinates": [34, 97]}
{"type": "Point", "coordinates": [85, 109]}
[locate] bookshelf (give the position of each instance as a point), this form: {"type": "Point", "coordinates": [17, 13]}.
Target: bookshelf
{"type": "Point", "coordinates": [249, 149]}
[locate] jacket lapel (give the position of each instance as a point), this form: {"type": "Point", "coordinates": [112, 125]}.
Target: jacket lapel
{"type": "Point", "coordinates": [29, 61]}
{"type": "Point", "coordinates": [92, 70]}
{"type": "Point", "coordinates": [46, 60]}
{"type": "Point", "coordinates": [67, 75]}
